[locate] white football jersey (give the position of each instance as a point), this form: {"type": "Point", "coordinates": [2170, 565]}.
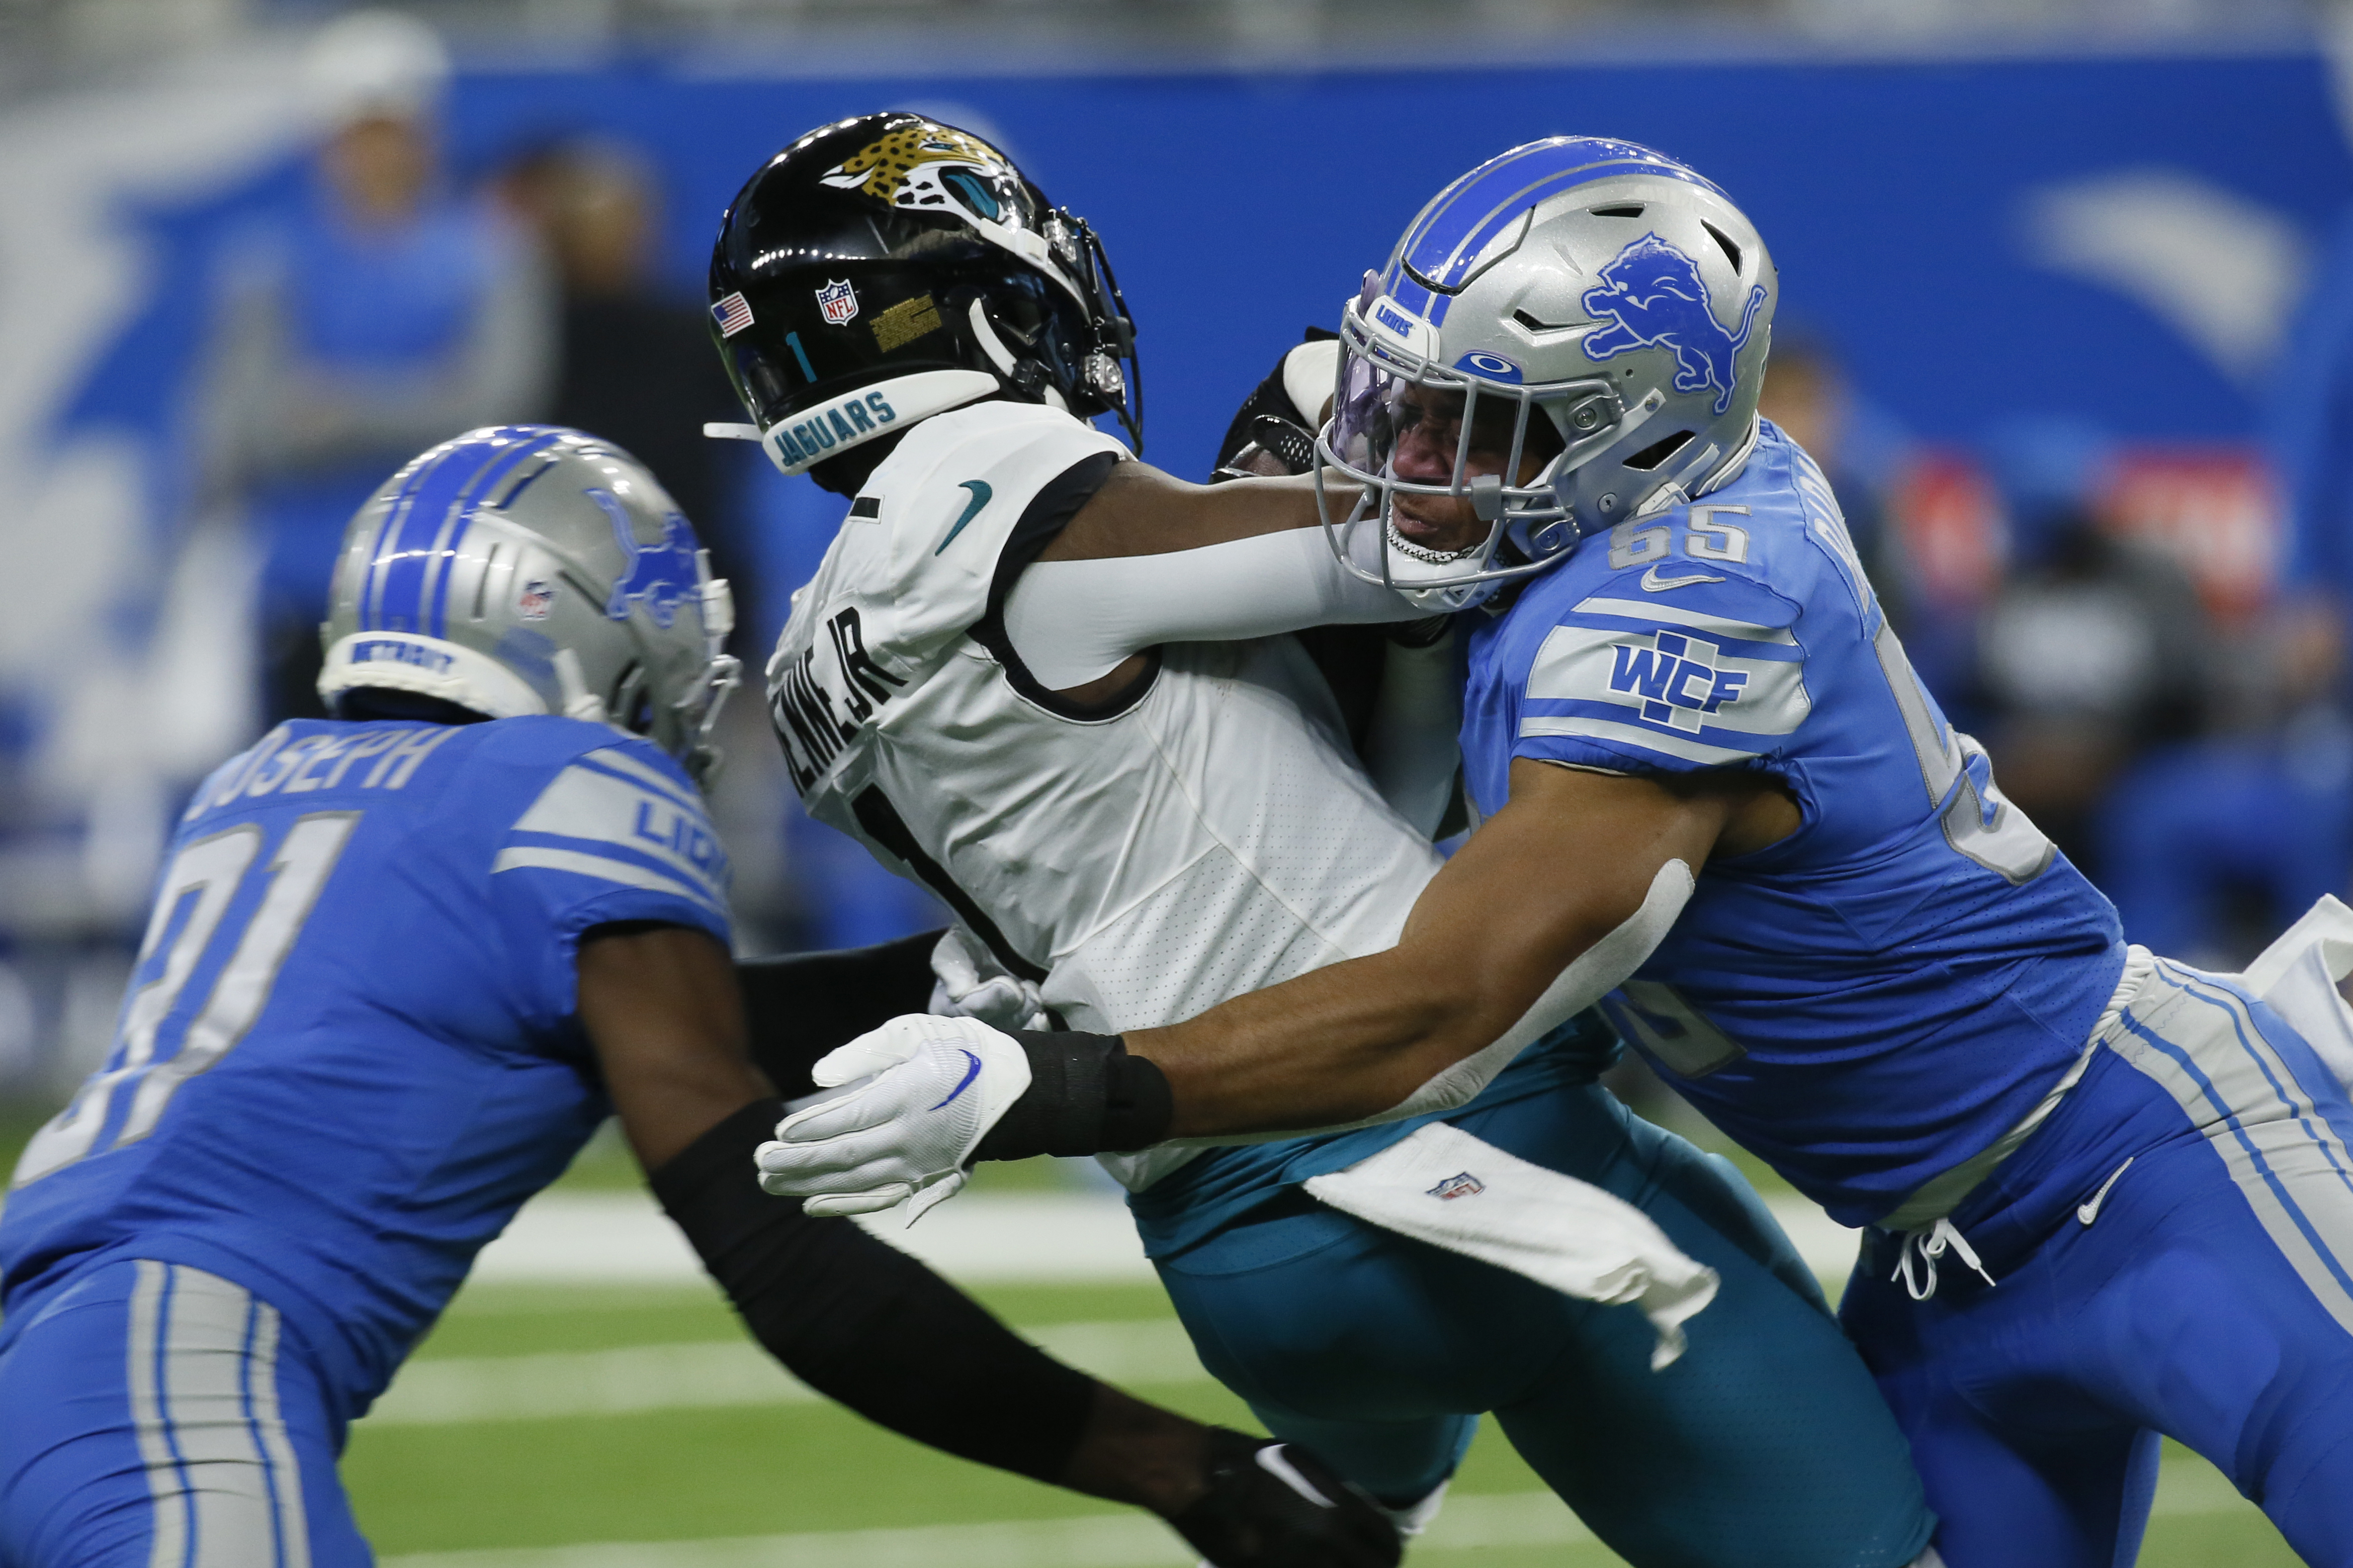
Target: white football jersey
{"type": "Point", "coordinates": [1211, 836]}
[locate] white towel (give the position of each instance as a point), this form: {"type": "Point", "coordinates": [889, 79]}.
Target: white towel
{"type": "Point", "coordinates": [1443, 1186]}
{"type": "Point", "coordinates": [2297, 975]}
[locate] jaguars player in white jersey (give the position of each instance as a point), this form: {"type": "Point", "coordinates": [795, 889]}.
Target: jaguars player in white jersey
{"type": "Point", "coordinates": [1036, 676]}
{"type": "Point", "coordinates": [2107, 1196]}
{"type": "Point", "coordinates": [402, 963]}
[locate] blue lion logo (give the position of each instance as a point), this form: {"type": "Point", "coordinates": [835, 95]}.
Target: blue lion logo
{"type": "Point", "coordinates": [660, 575]}
{"type": "Point", "coordinates": [1653, 295]}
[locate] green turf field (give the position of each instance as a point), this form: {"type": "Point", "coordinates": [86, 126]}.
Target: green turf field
{"type": "Point", "coordinates": [664, 1440]}
{"type": "Point", "coordinates": [761, 1474]}
{"type": "Point", "coordinates": [795, 1483]}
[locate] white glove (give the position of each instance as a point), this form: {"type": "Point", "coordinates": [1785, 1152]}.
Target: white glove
{"type": "Point", "coordinates": [968, 982]}
{"type": "Point", "coordinates": [939, 1085]}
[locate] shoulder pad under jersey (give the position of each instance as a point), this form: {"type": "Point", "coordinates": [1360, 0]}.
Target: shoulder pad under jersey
{"type": "Point", "coordinates": [910, 572]}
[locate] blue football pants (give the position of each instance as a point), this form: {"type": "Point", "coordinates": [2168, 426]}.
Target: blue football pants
{"type": "Point", "coordinates": [1764, 1446]}
{"type": "Point", "coordinates": [2204, 1291]}
{"type": "Point", "coordinates": [154, 1415]}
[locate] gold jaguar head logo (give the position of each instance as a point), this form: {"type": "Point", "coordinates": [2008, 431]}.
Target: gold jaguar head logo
{"type": "Point", "coordinates": [924, 165]}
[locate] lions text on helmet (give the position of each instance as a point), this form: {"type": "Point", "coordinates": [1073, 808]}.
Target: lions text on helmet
{"type": "Point", "coordinates": [1569, 337]}
{"type": "Point", "coordinates": [528, 569]}
{"type": "Point", "coordinates": [888, 267]}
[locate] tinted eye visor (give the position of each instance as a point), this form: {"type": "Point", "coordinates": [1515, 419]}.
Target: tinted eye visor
{"type": "Point", "coordinates": [1391, 405]}
{"type": "Point", "coordinates": [1430, 425]}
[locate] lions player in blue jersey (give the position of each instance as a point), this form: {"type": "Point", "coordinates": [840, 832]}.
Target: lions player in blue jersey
{"type": "Point", "coordinates": [2106, 1196]}
{"type": "Point", "coordinates": [401, 963]}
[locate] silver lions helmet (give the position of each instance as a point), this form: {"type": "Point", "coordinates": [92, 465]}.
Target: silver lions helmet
{"type": "Point", "coordinates": [1570, 336]}
{"type": "Point", "coordinates": [529, 569]}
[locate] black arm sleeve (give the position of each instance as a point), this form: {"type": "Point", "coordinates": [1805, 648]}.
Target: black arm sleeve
{"type": "Point", "coordinates": [801, 1005]}
{"type": "Point", "coordinates": [865, 1324]}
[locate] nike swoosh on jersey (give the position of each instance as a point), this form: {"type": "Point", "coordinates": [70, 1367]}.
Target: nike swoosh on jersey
{"type": "Point", "coordinates": [963, 1083]}
{"type": "Point", "coordinates": [1654, 584]}
{"type": "Point", "coordinates": [2089, 1211]}
{"type": "Point", "coordinates": [981, 496]}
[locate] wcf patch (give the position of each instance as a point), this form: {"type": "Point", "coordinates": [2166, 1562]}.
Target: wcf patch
{"type": "Point", "coordinates": [1676, 680]}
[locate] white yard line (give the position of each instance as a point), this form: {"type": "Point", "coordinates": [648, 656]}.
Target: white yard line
{"type": "Point", "coordinates": [1102, 1541]}
{"type": "Point", "coordinates": [1128, 1540]}
{"type": "Point", "coordinates": [621, 1239]}
{"type": "Point", "coordinates": [447, 1390]}
{"type": "Point", "coordinates": [1042, 1238]}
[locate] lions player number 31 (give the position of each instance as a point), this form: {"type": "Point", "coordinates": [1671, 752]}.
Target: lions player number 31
{"type": "Point", "coordinates": [185, 935]}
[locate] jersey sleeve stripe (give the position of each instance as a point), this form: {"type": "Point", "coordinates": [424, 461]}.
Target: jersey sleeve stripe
{"type": "Point", "coordinates": [1652, 612]}
{"type": "Point", "coordinates": [1663, 683]}
{"type": "Point", "coordinates": [539, 858]}
{"type": "Point", "coordinates": [1637, 737]}
{"type": "Point", "coordinates": [614, 759]}
{"type": "Point", "coordinates": [659, 864]}
{"type": "Point", "coordinates": [624, 818]}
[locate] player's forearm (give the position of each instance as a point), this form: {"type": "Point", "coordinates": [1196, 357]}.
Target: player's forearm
{"type": "Point", "coordinates": [867, 1325]}
{"type": "Point", "coordinates": [1073, 621]}
{"type": "Point", "coordinates": [1523, 908]}
{"type": "Point", "coordinates": [1140, 510]}
{"type": "Point", "coordinates": [1341, 1044]}
{"type": "Point", "coordinates": [798, 1006]}
{"type": "Point", "coordinates": [870, 1327]}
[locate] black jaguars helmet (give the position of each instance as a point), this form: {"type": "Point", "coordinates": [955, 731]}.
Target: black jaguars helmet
{"type": "Point", "coordinates": [885, 268]}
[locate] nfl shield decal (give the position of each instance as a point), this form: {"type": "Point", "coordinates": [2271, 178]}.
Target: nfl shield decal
{"type": "Point", "coordinates": [838, 302]}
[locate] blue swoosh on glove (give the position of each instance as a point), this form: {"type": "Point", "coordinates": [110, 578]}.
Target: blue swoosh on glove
{"type": "Point", "coordinates": [970, 1073]}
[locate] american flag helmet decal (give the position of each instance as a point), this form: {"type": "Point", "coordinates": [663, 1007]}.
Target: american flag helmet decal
{"type": "Point", "coordinates": [731, 314]}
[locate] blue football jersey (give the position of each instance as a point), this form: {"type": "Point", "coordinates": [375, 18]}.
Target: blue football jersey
{"type": "Point", "coordinates": [348, 1052]}
{"type": "Point", "coordinates": [1886, 991]}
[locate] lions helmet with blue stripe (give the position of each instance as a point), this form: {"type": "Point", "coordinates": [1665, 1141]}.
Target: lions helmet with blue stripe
{"type": "Point", "coordinates": [529, 569]}
{"type": "Point", "coordinates": [889, 268]}
{"type": "Point", "coordinates": [1597, 314]}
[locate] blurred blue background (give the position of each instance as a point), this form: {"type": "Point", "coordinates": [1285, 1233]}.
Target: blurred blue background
{"type": "Point", "coordinates": [2061, 319]}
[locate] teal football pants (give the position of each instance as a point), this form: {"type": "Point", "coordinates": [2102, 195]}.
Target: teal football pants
{"type": "Point", "coordinates": [1766, 1445]}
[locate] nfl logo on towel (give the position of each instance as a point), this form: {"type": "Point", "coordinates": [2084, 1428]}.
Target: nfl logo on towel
{"type": "Point", "coordinates": [731, 314]}
{"type": "Point", "coordinates": [1461, 1184]}
{"type": "Point", "coordinates": [838, 302]}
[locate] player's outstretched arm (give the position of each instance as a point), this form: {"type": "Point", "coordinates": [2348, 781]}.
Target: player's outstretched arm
{"type": "Point", "coordinates": [1569, 862]}
{"type": "Point", "coordinates": [868, 1326]}
{"type": "Point", "coordinates": [1558, 898]}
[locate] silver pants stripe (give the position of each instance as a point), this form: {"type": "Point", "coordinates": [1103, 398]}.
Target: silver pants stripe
{"type": "Point", "coordinates": [163, 1486]}
{"type": "Point", "coordinates": [285, 1472]}
{"type": "Point", "coordinates": [2198, 1042]}
{"type": "Point", "coordinates": [203, 1391]}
